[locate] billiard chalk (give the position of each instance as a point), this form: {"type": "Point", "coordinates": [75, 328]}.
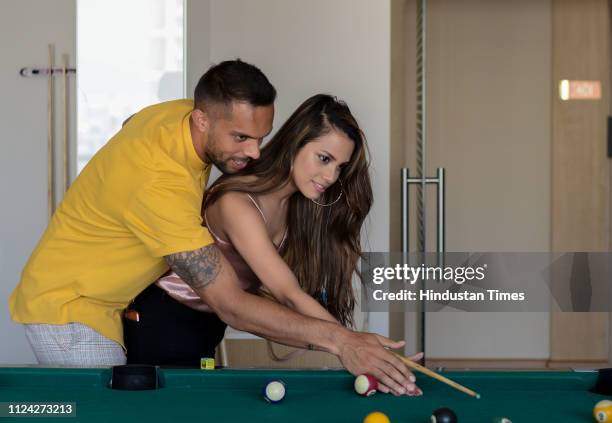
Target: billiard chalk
{"type": "Point", "coordinates": [207, 363]}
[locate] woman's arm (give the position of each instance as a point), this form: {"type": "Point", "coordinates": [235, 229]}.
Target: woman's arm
{"type": "Point", "coordinates": [237, 218]}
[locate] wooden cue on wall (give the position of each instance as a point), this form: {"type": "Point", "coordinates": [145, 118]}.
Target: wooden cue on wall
{"type": "Point", "coordinates": [50, 182]}
{"type": "Point", "coordinates": [66, 180]}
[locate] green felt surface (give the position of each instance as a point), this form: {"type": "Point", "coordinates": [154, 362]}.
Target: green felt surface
{"type": "Point", "coordinates": [312, 396]}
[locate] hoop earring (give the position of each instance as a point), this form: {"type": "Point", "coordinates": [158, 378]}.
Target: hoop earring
{"type": "Point", "coordinates": [333, 202]}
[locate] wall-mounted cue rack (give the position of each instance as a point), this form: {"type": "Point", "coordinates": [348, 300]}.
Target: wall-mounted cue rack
{"type": "Point", "coordinates": [50, 71]}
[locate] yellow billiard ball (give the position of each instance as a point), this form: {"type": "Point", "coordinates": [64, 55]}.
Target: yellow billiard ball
{"type": "Point", "coordinates": [376, 417]}
{"type": "Point", "coordinates": [603, 411]}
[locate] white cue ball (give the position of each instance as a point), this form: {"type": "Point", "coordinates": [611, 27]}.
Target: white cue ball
{"type": "Point", "coordinates": [274, 391]}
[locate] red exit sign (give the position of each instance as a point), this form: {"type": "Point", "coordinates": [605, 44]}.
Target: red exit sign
{"type": "Point", "coordinates": [579, 90]}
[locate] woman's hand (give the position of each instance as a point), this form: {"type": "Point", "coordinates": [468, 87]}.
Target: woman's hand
{"type": "Point", "coordinates": [362, 353]}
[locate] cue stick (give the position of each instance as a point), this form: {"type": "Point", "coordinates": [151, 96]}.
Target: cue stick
{"type": "Point", "coordinates": [50, 199]}
{"type": "Point", "coordinates": [65, 117]}
{"type": "Point", "coordinates": [435, 375]}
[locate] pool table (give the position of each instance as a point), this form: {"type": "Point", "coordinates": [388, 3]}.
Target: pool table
{"type": "Point", "coordinates": [228, 395]}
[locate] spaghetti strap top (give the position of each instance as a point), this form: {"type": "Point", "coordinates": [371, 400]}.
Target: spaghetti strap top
{"type": "Point", "coordinates": [220, 241]}
{"type": "Point", "coordinates": [180, 291]}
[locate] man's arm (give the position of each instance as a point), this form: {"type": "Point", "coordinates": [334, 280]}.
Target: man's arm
{"type": "Point", "coordinates": [210, 275]}
{"type": "Point", "coordinates": [206, 268]}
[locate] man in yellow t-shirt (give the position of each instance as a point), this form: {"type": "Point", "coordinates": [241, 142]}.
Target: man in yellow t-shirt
{"type": "Point", "coordinates": [137, 200]}
{"type": "Point", "coordinates": [134, 212]}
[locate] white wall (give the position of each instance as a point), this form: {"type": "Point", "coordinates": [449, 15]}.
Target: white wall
{"type": "Point", "coordinates": [26, 28]}
{"type": "Point", "coordinates": [197, 42]}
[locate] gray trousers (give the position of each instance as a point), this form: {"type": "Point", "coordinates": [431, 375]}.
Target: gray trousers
{"type": "Point", "coordinates": [73, 345]}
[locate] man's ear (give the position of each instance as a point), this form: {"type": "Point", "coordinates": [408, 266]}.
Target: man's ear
{"type": "Point", "coordinates": [201, 120]}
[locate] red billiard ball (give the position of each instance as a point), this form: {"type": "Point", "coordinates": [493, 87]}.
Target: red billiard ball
{"type": "Point", "coordinates": [366, 385]}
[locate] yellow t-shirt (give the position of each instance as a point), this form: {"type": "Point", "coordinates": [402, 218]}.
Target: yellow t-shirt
{"type": "Point", "coordinates": [137, 200]}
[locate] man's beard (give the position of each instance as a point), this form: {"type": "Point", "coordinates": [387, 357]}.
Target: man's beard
{"type": "Point", "coordinates": [219, 163]}
{"type": "Point", "coordinates": [222, 165]}
{"type": "Point", "coordinates": [214, 157]}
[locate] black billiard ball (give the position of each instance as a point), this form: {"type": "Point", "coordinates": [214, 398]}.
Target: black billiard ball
{"type": "Point", "coordinates": [444, 415]}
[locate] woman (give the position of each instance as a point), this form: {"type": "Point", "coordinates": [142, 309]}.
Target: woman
{"type": "Point", "coordinates": [290, 225]}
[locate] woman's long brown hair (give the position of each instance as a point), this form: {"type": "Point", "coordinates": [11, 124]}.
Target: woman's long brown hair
{"type": "Point", "coordinates": [323, 243]}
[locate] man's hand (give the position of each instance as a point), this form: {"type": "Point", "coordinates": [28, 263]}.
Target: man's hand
{"type": "Point", "coordinates": [367, 353]}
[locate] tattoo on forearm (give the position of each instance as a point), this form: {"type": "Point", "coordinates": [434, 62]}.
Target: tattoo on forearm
{"type": "Point", "coordinates": [198, 268]}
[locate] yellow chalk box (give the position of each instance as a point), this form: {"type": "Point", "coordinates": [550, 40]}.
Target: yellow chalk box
{"type": "Point", "coordinates": [207, 363]}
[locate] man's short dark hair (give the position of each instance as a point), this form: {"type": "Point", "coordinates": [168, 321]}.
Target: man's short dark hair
{"type": "Point", "coordinates": [234, 80]}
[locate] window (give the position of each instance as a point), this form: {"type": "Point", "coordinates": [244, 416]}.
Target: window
{"type": "Point", "coordinates": [129, 56]}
